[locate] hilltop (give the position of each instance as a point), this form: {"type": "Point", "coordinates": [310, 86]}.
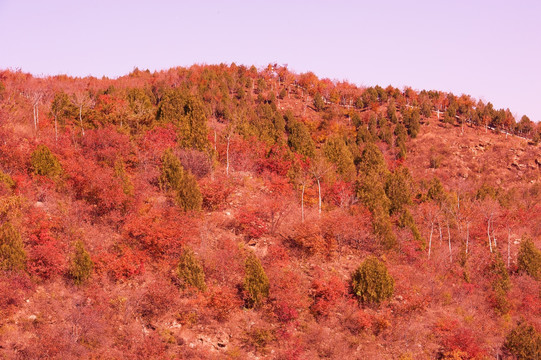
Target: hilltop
{"type": "Point", "coordinates": [221, 211]}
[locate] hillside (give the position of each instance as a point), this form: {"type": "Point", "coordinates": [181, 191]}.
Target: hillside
{"type": "Point", "coordinates": [221, 211]}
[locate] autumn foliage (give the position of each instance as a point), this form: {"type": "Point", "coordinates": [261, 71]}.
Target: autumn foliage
{"type": "Point", "coordinates": [229, 212]}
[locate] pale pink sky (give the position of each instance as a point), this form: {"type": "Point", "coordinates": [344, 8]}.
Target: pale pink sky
{"type": "Point", "coordinates": [488, 49]}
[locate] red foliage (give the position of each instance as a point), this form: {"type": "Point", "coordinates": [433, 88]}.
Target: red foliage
{"type": "Point", "coordinates": [14, 288]}
{"type": "Point", "coordinates": [275, 161]}
{"type": "Point", "coordinates": [46, 257]}
{"type": "Point", "coordinates": [249, 221]}
{"type": "Point", "coordinates": [160, 232]}
{"type": "Point", "coordinates": [122, 264]}
{"type": "Point", "coordinates": [325, 291]}
{"type": "Point", "coordinates": [215, 192]}
{"type": "Point", "coordinates": [456, 338]}
{"type": "Point", "coordinates": [106, 145]}
{"type": "Point", "coordinates": [223, 301]}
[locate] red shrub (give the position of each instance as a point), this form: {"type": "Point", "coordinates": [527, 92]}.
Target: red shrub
{"type": "Point", "coordinates": [250, 223]}
{"type": "Point", "coordinates": [46, 256]}
{"type": "Point", "coordinates": [325, 292]}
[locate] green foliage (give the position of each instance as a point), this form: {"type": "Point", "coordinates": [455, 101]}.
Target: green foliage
{"type": "Point", "coordinates": [372, 160]}
{"type": "Point", "coordinates": [391, 112]}
{"type": "Point", "coordinates": [529, 258]}
{"type": "Point", "coordinates": [436, 191]}
{"type": "Point", "coordinates": [141, 109]}
{"type": "Point", "coordinates": [337, 152]}
{"type": "Point", "coordinates": [299, 139]}
{"type": "Point", "coordinates": [371, 282]}
{"type": "Point", "coordinates": [524, 342]}
{"type": "Point", "coordinates": [188, 114]}
{"type": "Point", "coordinates": [406, 220]}
{"type": "Point", "coordinates": [268, 124]}
{"type": "Point", "coordinates": [174, 177]}
{"type": "Point", "coordinates": [398, 189]}
{"type": "Point", "coordinates": [12, 254]}
{"type": "Point", "coordinates": [412, 121]}
{"type": "Point", "coordinates": [319, 104]}
{"type": "Point", "coordinates": [370, 189]}
{"type": "Point", "coordinates": [6, 180]}
{"type": "Point", "coordinates": [44, 162]}
{"type": "Point", "coordinates": [62, 108]}
{"type": "Point", "coordinates": [190, 270]}
{"type": "Point", "coordinates": [81, 265]}
{"type": "Point", "coordinates": [363, 135]}
{"type": "Point", "coordinates": [501, 284]}
{"type": "Point", "coordinates": [256, 283]}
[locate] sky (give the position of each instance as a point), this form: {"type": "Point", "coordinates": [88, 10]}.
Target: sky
{"type": "Point", "coordinates": [490, 50]}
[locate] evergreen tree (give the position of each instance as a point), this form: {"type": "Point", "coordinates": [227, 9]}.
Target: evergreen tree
{"type": "Point", "coordinates": [398, 189]}
{"type": "Point", "coordinates": [188, 114]}
{"type": "Point", "coordinates": [299, 139]}
{"type": "Point", "coordinates": [529, 258]}
{"type": "Point", "coordinates": [337, 152]}
{"type": "Point", "coordinates": [43, 162]}
{"type": "Point", "coordinates": [256, 283]}
{"type": "Point", "coordinates": [190, 270]}
{"type": "Point", "coordinates": [371, 282]}
{"type": "Point", "coordinates": [319, 104]}
{"type": "Point", "coordinates": [175, 178]}
{"type": "Point", "coordinates": [81, 265]}
{"type": "Point", "coordinates": [524, 342]}
{"type": "Point", "coordinates": [12, 254]}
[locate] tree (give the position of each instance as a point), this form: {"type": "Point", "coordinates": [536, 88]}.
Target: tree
{"type": "Point", "coordinates": [412, 121]}
{"type": "Point", "coordinates": [175, 178]}
{"type": "Point", "coordinates": [529, 258]}
{"type": "Point", "coordinates": [319, 104]}
{"type": "Point", "coordinates": [81, 265]}
{"type": "Point", "coordinates": [12, 253]}
{"type": "Point", "coordinates": [337, 152]}
{"type": "Point", "coordinates": [256, 283]}
{"type": "Point", "coordinates": [190, 270]}
{"type": "Point", "coordinates": [187, 113]}
{"type": "Point", "coordinates": [299, 139]}
{"type": "Point", "coordinates": [371, 282]}
{"type": "Point", "coordinates": [524, 342]}
{"type": "Point", "coordinates": [44, 162]}
{"type": "Point", "coordinates": [61, 109]}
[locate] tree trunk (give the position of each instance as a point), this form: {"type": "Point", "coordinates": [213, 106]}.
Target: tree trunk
{"type": "Point", "coordinates": [319, 195]}
{"type": "Point", "coordinates": [508, 247]}
{"type": "Point", "coordinates": [430, 240]}
{"type": "Point", "coordinates": [227, 156]}
{"type": "Point", "coordinates": [55, 128]}
{"type": "Point", "coordinates": [302, 204]}
{"type": "Point", "coordinates": [488, 233]}
{"type": "Point", "coordinates": [81, 119]}
{"type": "Point", "coordinates": [467, 236]}
{"type": "Point", "coordinates": [449, 239]}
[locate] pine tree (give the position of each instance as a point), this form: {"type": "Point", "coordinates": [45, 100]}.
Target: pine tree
{"type": "Point", "coordinates": [12, 254]}
{"type": "Point", "coordinates": [256, 283]}
{"type": "Point", "coordinates": [43, 162]}
{"type": "Point", "coordinates": [190, 270]}
{"type": "Point", "coordinates": [371, 282]}
{"type": "Point", "coordinates": [337, 152]}
{"type": "Point", "coordinates": [524, 342]}
{"type": "Point", "coordinates": [529, 258]}
{"type": "Point", "coordinates": [299, 139]}
{"type": "Point", "coordinates": [188, 114]}
{"type": "Point", "coordinates": [175, 178]}
{"type": "Point", "coordinates": [81, 265]}
{"type": "Point", "coordinates": [319, 104]}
